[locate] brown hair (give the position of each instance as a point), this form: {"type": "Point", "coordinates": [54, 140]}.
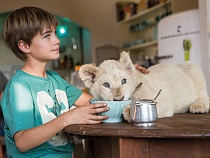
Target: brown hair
{"type": "Point", "coordinates": [24, 24]}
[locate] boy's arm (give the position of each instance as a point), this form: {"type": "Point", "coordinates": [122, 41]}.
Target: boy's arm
{"type": "Point", "coordinates": [83, 99]}
{"type": "Point", "coordinates": [30, 138]}
{"type": "Point", "coordinates": [141, 69]}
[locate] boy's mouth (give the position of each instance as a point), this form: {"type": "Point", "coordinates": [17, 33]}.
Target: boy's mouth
{"type": "Point", "coordinates": [55, 50]}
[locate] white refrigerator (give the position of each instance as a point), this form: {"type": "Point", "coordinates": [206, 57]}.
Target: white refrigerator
{"type": "Point", "coordinates": [179, 40]}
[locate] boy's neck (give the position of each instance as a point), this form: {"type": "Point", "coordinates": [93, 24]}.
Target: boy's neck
{"type": "Point", "coordinates": [35, 70]}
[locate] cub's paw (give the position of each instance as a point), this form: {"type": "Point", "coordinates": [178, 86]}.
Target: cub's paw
{"type": "Point", "coordinates": [198, 107]}
{"type": "Point", "coordinates": [126, 113]}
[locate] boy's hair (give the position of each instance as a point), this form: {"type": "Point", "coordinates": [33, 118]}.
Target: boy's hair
{"type": "Point", "coordinates": [24, 24]}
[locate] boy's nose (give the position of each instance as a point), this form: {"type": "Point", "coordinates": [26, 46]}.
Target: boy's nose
{"type": "Point", "coordinates": [57, 41]}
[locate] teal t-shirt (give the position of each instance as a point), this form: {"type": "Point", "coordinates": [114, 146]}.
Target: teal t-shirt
{"type": "Point", "coordinates": [31, 101]}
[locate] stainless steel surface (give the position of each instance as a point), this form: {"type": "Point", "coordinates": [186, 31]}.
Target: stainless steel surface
{"type": "Point", "coordinates": [143, 113]}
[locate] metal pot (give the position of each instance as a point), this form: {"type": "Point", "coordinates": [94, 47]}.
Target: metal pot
{"type": "Point", "coordinates": [143, 113]}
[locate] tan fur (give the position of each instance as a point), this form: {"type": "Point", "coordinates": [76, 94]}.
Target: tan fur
{"type": "Point", "coordinates": [183, 85]}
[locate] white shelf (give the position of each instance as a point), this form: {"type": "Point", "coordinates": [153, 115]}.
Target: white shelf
{"type": "Point", "coordinates": [156, 7]}
{"type": "Point", "coordinates": [143, 45]}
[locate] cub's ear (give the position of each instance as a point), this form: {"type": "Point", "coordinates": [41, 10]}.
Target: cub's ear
{"type": "Point", "coordinates": [125, 60]}
{"type": "Point", "coordinates": [87, 73]}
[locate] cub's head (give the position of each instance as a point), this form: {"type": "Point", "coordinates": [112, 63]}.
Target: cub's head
{"type": "Point", "coordinates": [111, 80]}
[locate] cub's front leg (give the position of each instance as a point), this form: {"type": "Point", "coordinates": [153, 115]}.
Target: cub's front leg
{"type": "Point", "coordinates": [126, 113]}
{"type": "Point", "coordinates": [201, 105]}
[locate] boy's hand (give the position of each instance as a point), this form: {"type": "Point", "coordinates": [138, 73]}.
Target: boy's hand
{"type": "Point", "coordinates": [86, 114]}
{"type": "Point", "coordinates": [141, 69]}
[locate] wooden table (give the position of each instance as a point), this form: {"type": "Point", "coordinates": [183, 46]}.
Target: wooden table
{"type": "Point", "coordinates": [180, 136]}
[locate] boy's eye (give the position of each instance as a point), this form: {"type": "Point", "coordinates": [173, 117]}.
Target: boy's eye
{"type": "Point", "coordinates": [123, 81]}
{"type": "Point", "coordinates": [47, 36]}
{"type": "Point", "coordinates": [106, 84]}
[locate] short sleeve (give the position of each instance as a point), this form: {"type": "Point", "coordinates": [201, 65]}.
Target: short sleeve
{"type": "Point", "coordinates": [73, 93]}
{"type": "Point", "coordinates": [20, 107]}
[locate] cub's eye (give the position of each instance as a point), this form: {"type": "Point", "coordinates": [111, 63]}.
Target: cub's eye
{"type": "Point", "coordinates": [123, 81]}
{"type": "Point", "coordinates": [106, 84]}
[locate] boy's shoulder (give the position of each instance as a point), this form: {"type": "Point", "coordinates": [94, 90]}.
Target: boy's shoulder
{"type": "Point", "coordinates": [51, 73]}
{"type": "Point", "coordinates": [19, 76]}
{"type": "Point", "coordinates": [54, 76]}
{"type": "Point", "coordinates": [22, 77]}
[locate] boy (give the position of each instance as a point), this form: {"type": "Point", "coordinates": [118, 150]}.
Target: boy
{"type": "Point", "coordinates": [36, 101]}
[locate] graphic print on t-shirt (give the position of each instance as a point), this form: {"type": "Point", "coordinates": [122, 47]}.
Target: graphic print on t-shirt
{"type": "Point", "coordinates": [50, 108]}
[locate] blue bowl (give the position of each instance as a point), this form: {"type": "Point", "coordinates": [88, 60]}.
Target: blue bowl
{"type": "Point", "coordinates": [115, 111]}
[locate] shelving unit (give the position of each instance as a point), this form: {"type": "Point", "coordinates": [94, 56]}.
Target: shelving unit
{"type": "Point", "coordinates": [150, 10]}
{"type": "Point", "coordinates": [129, 39]}
{"type": "Point", "coordinates": [149, 47]}
{"type": "Point", "coordinates": [143, 45]}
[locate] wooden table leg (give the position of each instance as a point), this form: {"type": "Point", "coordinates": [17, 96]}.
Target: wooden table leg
{"type": "Point", "coordinates": [135, 148]}
{"type": "Point", "coordinates": [88, 148]}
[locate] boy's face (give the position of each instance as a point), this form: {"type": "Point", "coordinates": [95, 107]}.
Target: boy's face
{"type": "Point", "coordinates": [45, 46]}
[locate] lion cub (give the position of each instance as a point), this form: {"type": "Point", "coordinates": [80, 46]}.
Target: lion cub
{"type": "Point", "coordinates": [183, 85]}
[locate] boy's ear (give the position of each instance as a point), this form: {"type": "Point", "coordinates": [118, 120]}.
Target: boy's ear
{"type": "Point", "coordinates": [125, 60]}
{"type": "Point", "coordinates": [23, 46]}
{"type": "Point", "coordinates": [87, 73]}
